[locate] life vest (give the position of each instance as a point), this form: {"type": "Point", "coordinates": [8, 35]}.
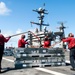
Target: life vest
{"type": "Point", "coordinates": [46, 44]}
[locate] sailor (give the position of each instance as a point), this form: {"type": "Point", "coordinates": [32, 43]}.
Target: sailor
{"type": "Point", "coordinates": [2, 42]}
{"type": "Point", "coordinates": [22, 42]}
{"type": "Point", "coordinates": [71, 46]}
{"type": "Point", "coordinates": [47, 42]}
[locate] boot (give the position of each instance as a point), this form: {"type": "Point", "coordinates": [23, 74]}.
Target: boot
{"type": "Point", "coordinates": [73, 69]}
{"type": "Point", "coordinates": [0, 68]}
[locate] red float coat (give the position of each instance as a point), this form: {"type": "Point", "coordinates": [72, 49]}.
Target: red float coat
{"type": "Point", "coordinates": [46, 44]}
{"type": "Point", "coordinates": [21, 43]}
{"type": "Point", "coordinates": [71, 42]}
{"type": "Point", "coordinates": [3, 39]}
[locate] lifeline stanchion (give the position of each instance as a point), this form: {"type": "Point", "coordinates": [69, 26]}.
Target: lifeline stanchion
{"type": "Point", "coordinates": [35, 35]}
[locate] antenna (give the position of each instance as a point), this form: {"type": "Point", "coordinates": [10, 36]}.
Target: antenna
{"type": "Point", "coordinates": [44, 4]}
{"type": "Point", "coordinates": [41, 11]}
{"type": "Point", "coordinates": [62, 27]}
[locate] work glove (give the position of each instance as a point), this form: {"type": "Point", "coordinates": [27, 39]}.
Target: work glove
{"type": "Point", "coordinates": [41, 45]}
{"type": "Point", "coordinates": [63, 38]}
{"type": "Point", "coordinates": [28, 43]}
{"type": "Point", "coordinates": [9, 36]}
{"type": "Point", "coordinates": [26, 40]}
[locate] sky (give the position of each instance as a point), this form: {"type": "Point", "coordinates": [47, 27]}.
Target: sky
{"type": "Point", "coordinates": [16, 15]}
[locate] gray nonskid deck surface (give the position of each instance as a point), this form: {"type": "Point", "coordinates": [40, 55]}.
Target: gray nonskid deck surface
{"type": "Point", "coordinates": [9, 69]}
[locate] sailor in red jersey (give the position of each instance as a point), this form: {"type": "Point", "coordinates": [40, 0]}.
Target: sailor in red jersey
{"type": "Point", "coordinates": [47, 42]}
{"type": "Point", "coordinates": [71, 46]}
{"type": "Point", "coordinates": [22, 42]}
{"type": "Point", "coordinates": [2, 42]}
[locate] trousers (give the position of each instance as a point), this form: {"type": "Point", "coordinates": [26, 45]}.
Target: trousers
{"type": "Point", "coordinates": [1, 53]}
{"type": "Point", "coordinates": [72, 57]}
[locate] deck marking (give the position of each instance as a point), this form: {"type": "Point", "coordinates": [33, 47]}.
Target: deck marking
{"type": "Point", "coordinates": [50, 71]}
{"type": "Point", "coordinates": [67, 61]}
{"type": "Point", "coordinates": [41, 69]}
{"type": "Point", "coordinates": [8, 59]}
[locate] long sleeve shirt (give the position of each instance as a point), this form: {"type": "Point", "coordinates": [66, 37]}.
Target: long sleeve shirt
{"type": "Point", "coordinates": [3, 39]}
{"type": "Point", "coordinates": [21, 43]}
{"type": "Point", "coordinates": [71, 42]}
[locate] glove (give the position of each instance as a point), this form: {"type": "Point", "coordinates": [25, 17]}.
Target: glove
{"type": "Point", "coordinates": [28, 43]}
{"type": "Point", "coordinates": [26, 40]}
{"type": "Point", "coordinates": [63, 38]}
{"type": "Point", "coordinates": [41, 45]}
{"type": "Point", "coordinates": [9, 36]}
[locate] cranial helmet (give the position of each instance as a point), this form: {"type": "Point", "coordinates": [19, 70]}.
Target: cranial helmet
{"type": "Point", "coordinates": [70, 35]}
{"type": "Point", "coordinates": [23, 36]}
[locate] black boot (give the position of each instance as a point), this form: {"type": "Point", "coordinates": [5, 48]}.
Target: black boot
{"type": "Point", "coordinates": [73, 69]}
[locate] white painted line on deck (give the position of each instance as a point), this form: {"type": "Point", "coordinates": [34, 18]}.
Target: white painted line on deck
{"type": "Point", "coordinates": [50, 71]}
{"type": "Point", "coordinates": [67, 61]}
{"type": "Point", "coordinates": [8, 59]}
{"type": "Point", "coordinates": [40, 69]}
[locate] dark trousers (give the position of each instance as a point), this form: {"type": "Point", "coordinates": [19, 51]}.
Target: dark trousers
{"type": "Point", "coordinates": [1, 53]}
{"type": "Point", "coordinates": [72, 57]}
